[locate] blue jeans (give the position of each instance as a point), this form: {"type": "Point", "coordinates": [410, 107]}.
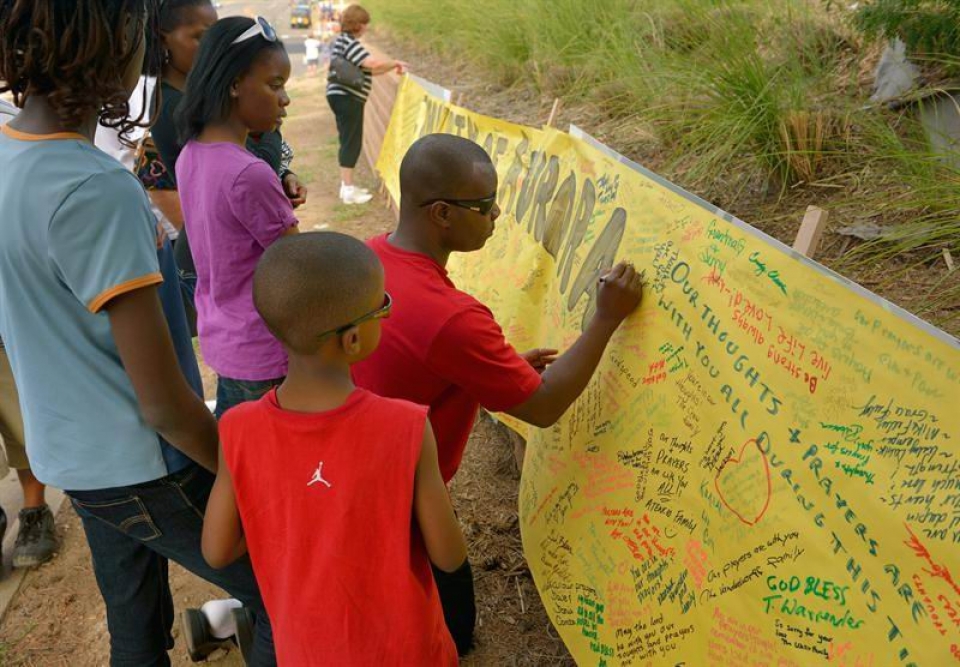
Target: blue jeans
{"type": "Point", "coordinates": [133, 531]}
{"type": "Point", "coordinates": [231, 392]}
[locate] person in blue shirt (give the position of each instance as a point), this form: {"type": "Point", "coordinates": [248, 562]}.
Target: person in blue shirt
{"type": "Point", "coordinates": [36, 536]}
{"type": "Point", "coordinates": [110, 415]}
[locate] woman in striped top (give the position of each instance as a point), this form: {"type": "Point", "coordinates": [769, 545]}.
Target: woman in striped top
{"type": "Point", "coordinates": [347, 102]}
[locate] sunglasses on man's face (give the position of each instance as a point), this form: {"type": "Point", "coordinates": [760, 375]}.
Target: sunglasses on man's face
{"type": "Point", "coordinates": [260, 27]}
{"type": "Point", "coordinates": [481, 206]}
{"type": "Point", "coordinates": [378, 314]}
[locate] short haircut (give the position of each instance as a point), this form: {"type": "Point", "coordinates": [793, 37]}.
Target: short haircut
{"type": "Point", "coordinates": [307, 284]}
{"type": "Point", "coordinates": [352, 18]}
{"type": "Point", "coordinates": [173, 13]}
{"type": "Point", "coordinates": [75, 53]}
{"type": "Point", "coordinates": [438, 165]}
{"type": "Point", "coordinates": [219, 63]}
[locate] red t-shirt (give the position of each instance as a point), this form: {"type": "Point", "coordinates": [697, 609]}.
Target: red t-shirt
{"type": "Point", "coordinates": [326, 501]}
{"type": "Point", "coordinates": [441, 347]}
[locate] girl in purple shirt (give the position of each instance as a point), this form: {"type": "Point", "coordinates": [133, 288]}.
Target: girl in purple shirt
{"type": "Point", "coordinates": [234, 207]}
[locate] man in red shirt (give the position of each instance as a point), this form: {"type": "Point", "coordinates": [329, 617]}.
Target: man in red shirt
{"type": "Point", "coordinates": [443, 348]}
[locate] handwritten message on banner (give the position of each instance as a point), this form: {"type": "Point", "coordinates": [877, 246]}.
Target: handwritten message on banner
{"type": "Point", "coordinates": [764, 470]}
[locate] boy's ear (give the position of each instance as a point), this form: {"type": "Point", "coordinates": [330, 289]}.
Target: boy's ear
{"type": "Point", "coordinates": [350, 341]}
{"type": "Point", "coordinates": [235, 89]}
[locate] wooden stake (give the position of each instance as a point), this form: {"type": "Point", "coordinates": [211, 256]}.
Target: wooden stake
{"type": "Point", "coordinates": [519, 447]}
{"type": "Point", "coordinates": [811, 229]}
{"type": "Point", "coordinates": [948, 258]}
{"type": "Point", "coordinates": [553, 112]}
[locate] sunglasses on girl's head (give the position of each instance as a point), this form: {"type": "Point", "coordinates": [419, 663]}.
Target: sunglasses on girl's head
{"type": "Point", "coordinates": [481, 206]}
{"type": "Point", "coordinates": [378, 314]}
{"type": "Point", "coordinates": [260, 27]}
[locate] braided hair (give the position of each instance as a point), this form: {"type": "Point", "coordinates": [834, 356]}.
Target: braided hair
{"type": "Point", "coordinates": [76, 53]}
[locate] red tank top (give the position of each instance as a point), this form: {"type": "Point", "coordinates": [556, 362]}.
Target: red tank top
{"type": "Point", "coordinates": [326, 501]}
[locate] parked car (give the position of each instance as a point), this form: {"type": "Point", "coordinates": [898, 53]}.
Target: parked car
{"type": "Point", "coordinates": [300, 17]}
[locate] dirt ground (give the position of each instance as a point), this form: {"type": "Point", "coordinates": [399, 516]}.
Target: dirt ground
{"type": "Point", "coordinates": [58, 618]}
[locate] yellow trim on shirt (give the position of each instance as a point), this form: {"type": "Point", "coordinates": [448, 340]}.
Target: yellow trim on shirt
{"type": "Point", "coordinates": [101, 300]}
{"type": "Point", "coordinates": [26, 136]}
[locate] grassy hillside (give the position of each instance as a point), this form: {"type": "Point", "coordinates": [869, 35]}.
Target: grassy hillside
{"type": "Point", "coordinates": [746, 99]}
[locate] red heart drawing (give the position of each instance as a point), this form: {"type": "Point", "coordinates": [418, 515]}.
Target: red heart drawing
{"type": "Point", "coordinates": [738, 476]}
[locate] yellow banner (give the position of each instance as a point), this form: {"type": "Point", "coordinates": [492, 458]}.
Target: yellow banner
{"type": "Point", "coordinates": [763, 470]}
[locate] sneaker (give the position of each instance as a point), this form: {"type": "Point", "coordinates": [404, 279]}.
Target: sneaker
{"type": "Point", "coordinates": [352, 196]}
{"type": "Point", "coordinates": [201, 642]}
{"type": "Point", "coordinates": [356, 188]}
{"type": "Point", "coordinates": [244, 637]}
{"type": "Point", "coordinates": [37, 539]}
{"type": "Point", "coordinates": [196, 635]}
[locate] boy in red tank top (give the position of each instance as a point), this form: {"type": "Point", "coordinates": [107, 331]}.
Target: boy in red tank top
{"type": "Point", "coordinates": [336, 492]}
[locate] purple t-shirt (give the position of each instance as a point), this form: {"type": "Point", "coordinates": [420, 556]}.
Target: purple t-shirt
{"type": "Point", "coordinates": [234, 208]}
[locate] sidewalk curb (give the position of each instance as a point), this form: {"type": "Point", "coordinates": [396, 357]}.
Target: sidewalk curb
{"type": "Point", "coordinates": [13, 577]}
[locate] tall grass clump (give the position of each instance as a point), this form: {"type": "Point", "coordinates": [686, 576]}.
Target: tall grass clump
{"type": "Point", "coordinates": [740, 92]}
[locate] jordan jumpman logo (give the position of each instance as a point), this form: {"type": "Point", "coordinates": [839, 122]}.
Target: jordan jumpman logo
{"type": "Point", "coordinates": [318, 477]}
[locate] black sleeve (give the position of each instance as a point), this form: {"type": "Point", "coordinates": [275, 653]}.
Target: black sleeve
{"type": "Point", "coordinates": [267, 147]}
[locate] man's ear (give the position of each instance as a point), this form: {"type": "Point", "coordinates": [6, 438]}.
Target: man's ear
{"type": "Point", "coordinates": [235, 89]}
{"type": "Point", "coordinates": [350, 341]}
{"type": "Point", "coordinates": [440, 213]}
